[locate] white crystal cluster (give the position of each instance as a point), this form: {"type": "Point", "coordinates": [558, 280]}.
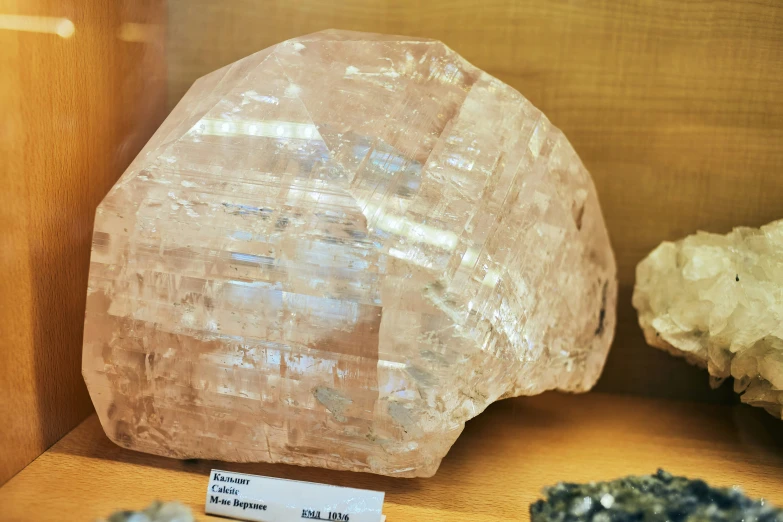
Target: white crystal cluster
{"type": "Point", "coordinates": [718, 301]}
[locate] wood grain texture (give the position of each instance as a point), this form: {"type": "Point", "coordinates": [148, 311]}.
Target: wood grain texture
{"type": "Point", "coordinates": [496, 469]}
{"type": "Point", "coordinates": [75, 111]}
{"type": "Point", "coordinates": [675, 107]}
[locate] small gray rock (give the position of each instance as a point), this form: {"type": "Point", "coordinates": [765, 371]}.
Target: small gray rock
{"type": "Point", "coordinates": [155, 512]}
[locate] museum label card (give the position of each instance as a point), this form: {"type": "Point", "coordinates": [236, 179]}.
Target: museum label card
{"type": "Point", "coordinates": [266, 499]}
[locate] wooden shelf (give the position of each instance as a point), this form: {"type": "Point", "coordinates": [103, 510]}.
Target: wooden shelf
{"type": "Point", "coordinates": [494, 471]}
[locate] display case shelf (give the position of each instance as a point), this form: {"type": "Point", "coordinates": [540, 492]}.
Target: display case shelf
{"type": "Point", "coordinates": [494, 471]}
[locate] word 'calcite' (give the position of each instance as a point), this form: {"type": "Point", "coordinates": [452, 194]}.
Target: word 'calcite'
{"type": "Point", "coordinates": [336, 251]}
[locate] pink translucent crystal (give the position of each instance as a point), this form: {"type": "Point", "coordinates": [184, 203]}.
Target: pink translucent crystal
{"type": "Point", "coordinates": [336, 251]}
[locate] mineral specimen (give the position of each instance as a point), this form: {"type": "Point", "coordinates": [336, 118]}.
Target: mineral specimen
{"type": "Point", "coordinates": [718, 301]}
{"type": "Point", "coordinates": [336, 251]}
{"type": "Point", "coordinates": [650, 498]}
{"type": "Point", "coordinates": [155, 512]}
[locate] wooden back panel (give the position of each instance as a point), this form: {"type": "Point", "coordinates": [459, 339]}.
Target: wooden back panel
{"type": "Point", "coordinates": [675, 107]}
{"type": "Point", "coordinates": [74, 113]}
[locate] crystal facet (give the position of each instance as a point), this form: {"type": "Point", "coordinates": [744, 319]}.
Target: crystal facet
{"type": "Point", "coordinates": [717, 301]}
{"type": "Point", "coordinates": [336, 251]}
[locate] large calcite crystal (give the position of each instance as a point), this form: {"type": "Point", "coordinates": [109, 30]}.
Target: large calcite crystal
{"type": "Point", "coordinates": [336, 251]}
{"type": "Point", "coordinates": [718, 301]}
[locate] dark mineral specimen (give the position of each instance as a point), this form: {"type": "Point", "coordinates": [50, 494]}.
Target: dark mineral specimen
{"type": "Point", "coordinates": [650, 498]}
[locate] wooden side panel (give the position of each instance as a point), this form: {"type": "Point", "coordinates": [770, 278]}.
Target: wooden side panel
{"type": "Point", "coordinates": [75, 110]}
{"type": "Point", "coordinates": [675, 107]}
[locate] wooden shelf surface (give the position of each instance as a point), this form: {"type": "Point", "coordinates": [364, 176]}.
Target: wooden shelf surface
{"type": "Point", "coordinates": [495, 470]}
